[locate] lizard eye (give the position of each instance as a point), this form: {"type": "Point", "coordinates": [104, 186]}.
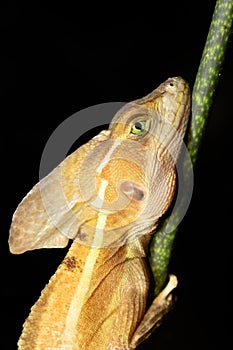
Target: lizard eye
{"type": "Point", "coordinates": [138, 128]}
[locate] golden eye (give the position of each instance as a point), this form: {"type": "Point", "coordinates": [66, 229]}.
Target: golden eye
{"type": "Point", "coordinates": [138, 128]}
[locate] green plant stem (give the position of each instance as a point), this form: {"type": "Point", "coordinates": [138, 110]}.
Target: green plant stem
{"type": "Point", "coordinates": [202, 97]}
{"type": "Point", "coordinates": [208, 73]}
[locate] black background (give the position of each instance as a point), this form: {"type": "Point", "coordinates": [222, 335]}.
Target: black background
{"type": "Point", "coordinates": [57, 59]}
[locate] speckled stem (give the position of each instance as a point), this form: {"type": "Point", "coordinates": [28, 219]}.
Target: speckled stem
{"type": "Point", "coordinates": [202, 97]}
{"type": "Point", "coordinates": [209, 72]}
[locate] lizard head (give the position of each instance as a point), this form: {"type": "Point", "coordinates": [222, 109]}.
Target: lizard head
{"type": "Point", "coordinates": [149, 132]}
{"type": "Point", "coordinates": [134, 180]}
{"type": "Point", "coordinates": [114, 188]}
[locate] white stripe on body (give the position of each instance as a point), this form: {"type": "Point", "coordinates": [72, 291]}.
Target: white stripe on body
{"type": "Point", "coordinates": [106, 159]}
{"type": "Point", "coordinates": [97, 203]}
{"type": "Point", "coordinates": [79, 297]}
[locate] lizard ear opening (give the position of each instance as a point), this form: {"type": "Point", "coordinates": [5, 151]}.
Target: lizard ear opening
{"type": "Point", "coordinates": [132, 190]}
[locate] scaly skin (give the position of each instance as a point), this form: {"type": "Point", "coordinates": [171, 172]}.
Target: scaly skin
{"type": "Point", "coordinates": [82, 308]}
{"type": "Point", "coordinates": [108, 196]}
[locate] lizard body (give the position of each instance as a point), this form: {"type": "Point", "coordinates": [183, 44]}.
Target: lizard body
{"type": "Point", "coordinates": [108, 197]}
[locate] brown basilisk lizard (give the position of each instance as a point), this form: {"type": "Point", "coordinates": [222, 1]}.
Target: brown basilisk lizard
{"type": "Point", "coordinates": [108, 197]}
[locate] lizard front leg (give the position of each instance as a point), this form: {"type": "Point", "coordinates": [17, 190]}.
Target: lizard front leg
{"type": "Point", "coordinates": [151, 320]}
